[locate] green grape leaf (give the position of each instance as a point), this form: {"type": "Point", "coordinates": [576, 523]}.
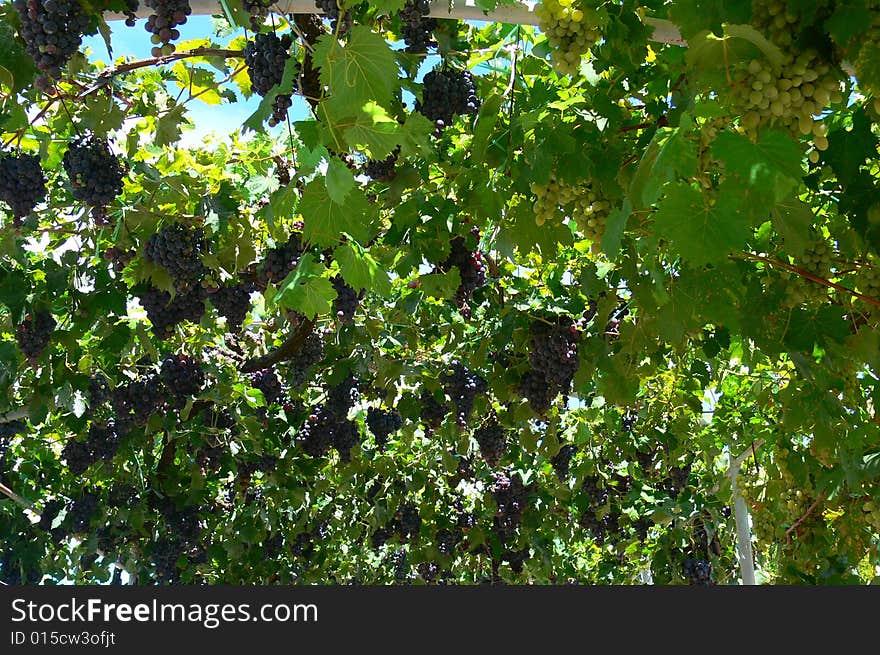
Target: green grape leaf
{"type": "Point", "coordinates": [304, 290]}
{"type": "Point", "coordinates": [325, 220]}
{"type": "Point", "coordinates": [360, 270]}
{"type": "Point", "coordinates": [340, 180]}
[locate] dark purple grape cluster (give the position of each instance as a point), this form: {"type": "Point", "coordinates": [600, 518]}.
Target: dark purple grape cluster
{"type": "Point", "coordinates": [383, 424]}
{"type": "Point", "coordinates": [447, 540]}
{"type": "Point", "coordinates": [346, 302]}
{"type": "Point", "coordinates": [596, 494]}
{"type": "Point", "coordinates": [678, 479]}
{"type": "Point", "coordinates": [310, 353]}
{"type": "Point", "coordinates": [433, 412]}
{"type": "Point", "coordinates": [562, 460]}
{"type": "Point", "coordinates": [472, 271]}
{"type": "Point", "coordinates": [163, 22]}
{"type": "Point", "coordinates": [400, 566]}
{"type": "Point", "coordinates": [265, 57]}
{"type": "Point", "coordinates": [379, 537]}
{"type": "Point", "coordinates": [267, 381]}
{"type": "Point", "coordinates": [448, 92]}
{"type": "Point", "coordinates": [463, 386]}
{"type": "Point", "coordinates": [119, 257]}
{"type": "Point", "coordinates": [535, 389]}
{"type": "Point", "coordinates": [165, 313]}
{"type": "Point", "coordinates": [600, 527]}
{"type": "Point", "coordinates": [101, 444]}
{"type": "Point", "coordinates": [339, 21]}
{"type": "Point", "coordinates": [99, 390]}
{"type": "Point", "coordinates": [82, 510]}
{"type": "Point", "coordinates": [34, 333]}
{"type": "Point", "coordinates": [50, 511]}
{"type": "Point", "coordinates": [130, 13]}
{"type": "Point", "coordinates": [22, 183]}
{"type": "Point", "coordinates": [258, 10]}
{"type": "Point", "coordinates": [95, 173]}
{"type": "Point", "coordinates": [429, 571]}
{"type": "Point", "coordinates": [136, 401]}
{"type": "Point", "coordinates": [232, 301]}
{"type": "Point", "coordinates": [52, 31]}
{"type": "Point", "coordinates": [417, 27]}
{"type": "Point", "coordinates": [553, 356]}
{"type": "Point", "coordinates": [697, 572]}
{"type": "Point", "coordinates": [280, 105]}
{"type": "Point", "coordinates": [345, 437]}
{"type": "Point", "coordinates": [492, 440]}
{"type": "Point", "coordinates": [178, 249]}
{"type": "Point", "coordinates": [278, 262]}
{"type": "Point", "coordinates": [511, 498]}
{"type": "Point", "coordinates": [316, 435]}
{"type": "Point", "coordinates": [166, 553]}
{"type": "Point", "coordinates": [9, 429]}
{"type": "Point", "coordinates": [382, 170]}
{"type": "Point", "coordinates": [516, 558]}
{"type": "Point", "coordinates": [342, 397]}
{"type": "Point", "coordinates": [182, 374]}
{"type": "Point", "coordinates": [628, 421]}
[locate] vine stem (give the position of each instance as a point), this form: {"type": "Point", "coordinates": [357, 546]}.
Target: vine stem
{"type": "Point", "coordinates": [110, 72]}
{"type": "Point", "coordinates": [776, 263]}
{"type": "Point", "coordinates": [803, 518]}
{"type": "Point", "coordinates": [6, 491]}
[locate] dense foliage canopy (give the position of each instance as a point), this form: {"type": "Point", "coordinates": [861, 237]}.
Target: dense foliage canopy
{"type": "Point", "coordinates": [459, 303]}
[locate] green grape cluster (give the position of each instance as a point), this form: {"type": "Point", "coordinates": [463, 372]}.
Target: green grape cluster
{"type": "Point", "coordinates": [781, 20]}
{"type": "Point", "coordinates": [582, 202]}
{"type": "Point", "coordinates": [788, 96]}
{"type": "Point", "coordinates": [571, 31]}
{"type": "Point", "coordinates": [868, 282]}
{"type": "Point", "coordinates": [816, 260]}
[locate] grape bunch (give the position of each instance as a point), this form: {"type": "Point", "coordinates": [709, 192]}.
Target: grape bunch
{"type": "Point", "coordinates": [163, 22]}
{"type": "Point", "coordinates": [232, 301]}
{"type": "Point", "coordinates": [562, 460]}
{"type": "Point", "coordinates": [52, 31]}
{"type": "Point", "coordinates": [678, 480]}
{"type": "Point", "coordinates": [817, 259]}
{"type": "Point", "coordinates": [267, 381]}
{"type": "Point", "coordinates": [383, 424]}
{"type": "Point", "coordinates": [265, 57]}
{"type": "Point", "coordinates": [310, 353]}
{"type": "Point", "coordinates": [417, 27]}
{"type": "Point", "coordinates": [511, 498]}
{"type": "Point", "coordinates": [463, 386]}
{"type": "Point", "coordinates": [258, 10]}
{"type": "Point", "coordinates": [101, 444]}
{"type": "Point", "coordinates": [50, 511]}
{"type": "Point", "coordinates": [789, 96]}
{"type": "Point", "coordinates": [339, 21]}
{"type": "Point", "coordinates": [472, 271]}
{"type": "Point", "coordinates": [447, 540]}
{"type": "Point", "coordinates": [407, 521]}
{"type": "Point", "coordinates": [178, 249]}
{"type": "Point", "coordinates": [382, 170]}
{"type": "Point", "coordinates": [345, 436]}
{"type": "Point", "coordinates": [697, 572]}
{"type": "Point", "coordinates": [279, 261]}
{"type": "Point", "coordinates": [282, 102]}
{"type": "Point", "coordinates": [869, 282]}
{"type": "Point", "coordinates": [571, 31]}
{"type": "Point", "coordinates": [22, 183]}
{"type": "Point", "coordinates": [346, 302]}
{"type": "Point", "coordinates": [600, 526]}
{"type": "Point", "coordinates": [82, 510]}
{"type": "Point", "coordinates": [119, 257]}
{"type": "Point", "coordinates": [34, 333]}
{"type": "Point", "coordinates": [432, 411]}
{"type": "Point", "coordinates": [99, 390]}
{"type": "Point", "coordinates": [553, 356]}
{"type": "Point", "coordinates": [581, 202]}
{"type": "Point", "coordinates": [492, 441]}
{"type": "Point", "coordinates": [342, 397]}
{"type": "Point", "coordinates": [135, 401]}
{"type": "Point", "coordinates": [317, 434]}
{"type": "Point", "coordinates": [448, 92]}
{"type": "Point", "coordinates": [95, 173]}
{"type": "Point", "coordinates": [867, 64]}
{"type": "Point", "coordinates": [182, 374]}
{"type": "Point", "coordinates": [166, 312]}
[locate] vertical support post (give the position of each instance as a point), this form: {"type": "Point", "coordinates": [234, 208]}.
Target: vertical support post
{"type": "Point", "coordinates": [741, 513]}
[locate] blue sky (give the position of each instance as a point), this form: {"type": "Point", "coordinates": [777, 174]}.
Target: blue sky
{"type": "Point", "coordinates": [134, 43]}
